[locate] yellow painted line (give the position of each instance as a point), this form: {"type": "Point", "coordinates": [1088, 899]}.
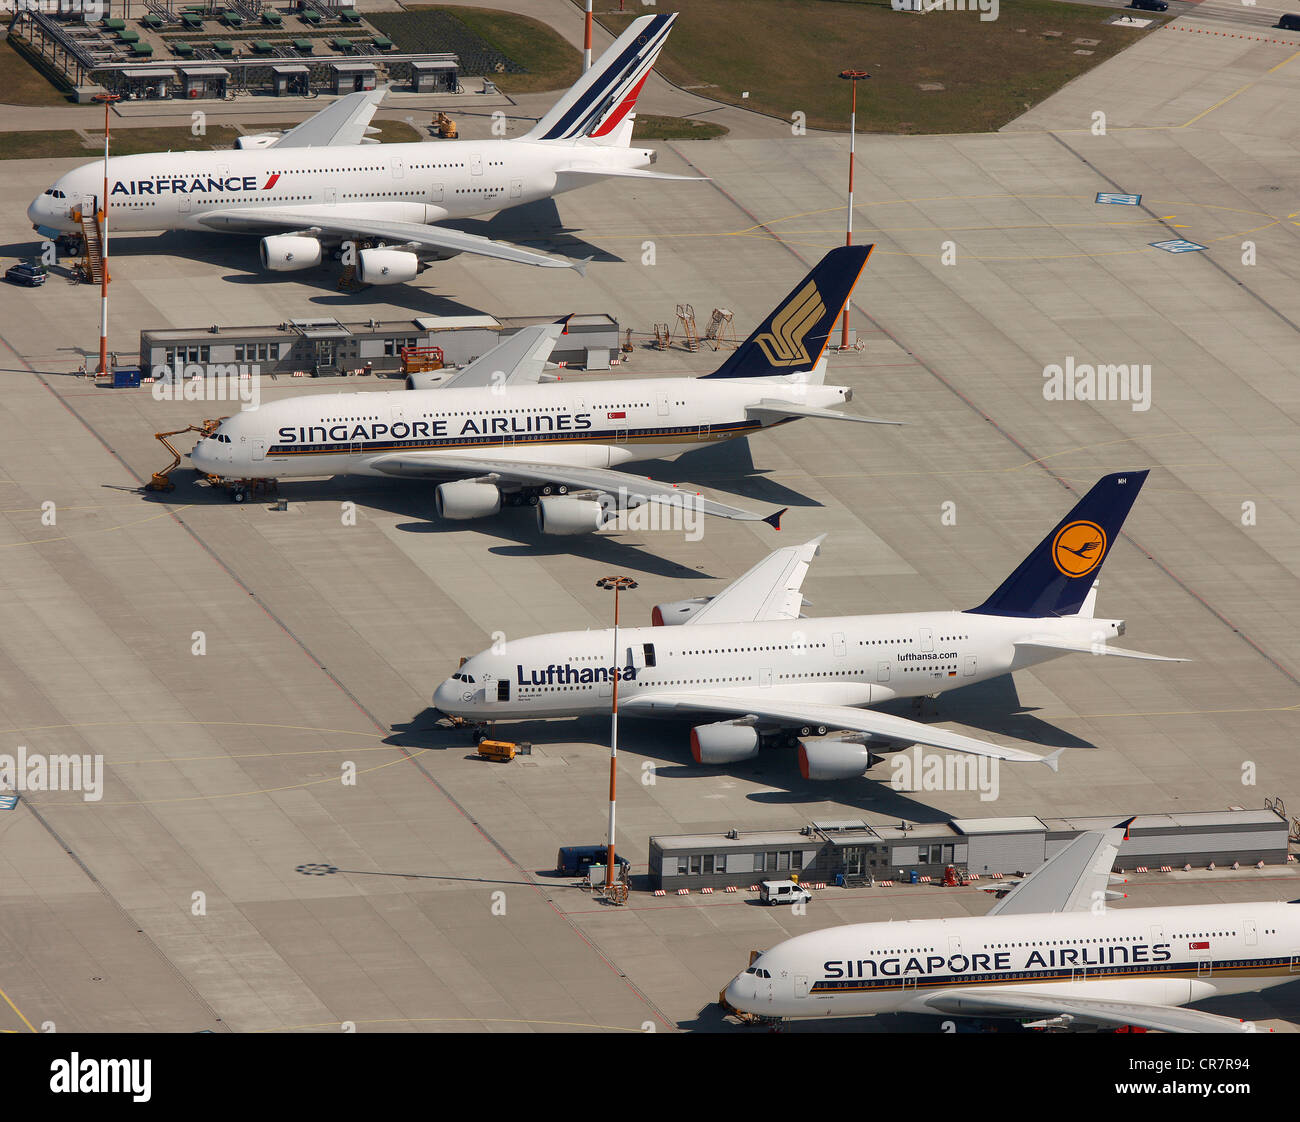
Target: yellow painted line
{"type": "Point", "coordinates": [454, 1020]}
{"type": "Point", "coordinates": [1224, 101]}
{"type": "Point", "coordinates": [30, 1026]}
{"type": "Point", "coordinates": [105, 530]}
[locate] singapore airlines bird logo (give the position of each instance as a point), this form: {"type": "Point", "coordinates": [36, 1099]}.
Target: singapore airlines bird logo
{"type": "Point", "coordinates": [1079, 548]}
{"type": "Point", "coordinates": [785, 344]}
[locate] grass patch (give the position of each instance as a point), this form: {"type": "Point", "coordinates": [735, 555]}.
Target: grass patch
{"type": "Point", "coordinates": [26, 79]}
{"type": "Point", "coordinates": [60, 143]}
{"type": "Point", "coordinates": [548, 59]}
{"type": "Point", "coordinates": [648, 126]}
{"type": "Point", "coordinates": [788, 53]}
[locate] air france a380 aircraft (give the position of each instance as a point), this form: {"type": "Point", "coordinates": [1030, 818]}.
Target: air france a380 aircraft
{"type": "Point", "coordinates": [748, 656]}
{"type": "Point", "coordinates": [324, 182]}
{"type": "Point", "coordinates": [491, 431]}
{"type": "Point", "coordinates": [1046, 951]}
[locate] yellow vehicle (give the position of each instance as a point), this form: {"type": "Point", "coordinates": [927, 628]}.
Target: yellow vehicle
{"type": "Point", "coordinates": [446, 126]}
{"type": "Point", "coordinates": [502, 751]}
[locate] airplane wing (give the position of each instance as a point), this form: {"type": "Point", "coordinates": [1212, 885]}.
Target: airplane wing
{"type": "Point", "coordinates": [517, 361]}
{"type": "Point", "coordinates": [1163, 1018]}
{"type": "Point", "coordinates": [795, 708]}
{"type": "Point", "coordinates": [416, 235]}
{"type": "Point", "coordinates": [626, 490]}
{"type": "Point", "coordinates": [770, 590]}
{"type": "Point", "coordinates": [1048, 643]}
{"type": "Point", "coordinates": [345, 122]}
{"type": "Point", "coordinates": [768, 412]}
{"type": "Point", "coordinates": [1073, 879]}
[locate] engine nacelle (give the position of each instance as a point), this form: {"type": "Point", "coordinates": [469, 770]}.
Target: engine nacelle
{"type": "Point", "coordinates": [679, 611]}
{"type": "Point", "coordinates": [387, 266]}
{"type": "Point", "coordinates": [724, 743]}
{"type": "Point", "coordinates": [286, 253]}
{"type": "Point", "coordinates": [834, 759]}
{"type": "Point", "coordinates": [563, 515]}
{"type": "Point", "coordinates": [466, 498]}
{"type": "Point", "coordinates": [427, 379]}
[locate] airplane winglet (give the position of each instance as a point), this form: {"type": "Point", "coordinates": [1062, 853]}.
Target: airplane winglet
{"type": "Point", "coordinates": [1125, 825]}
{"type": "Point", "coordinates": [580, 267]}
{"type": "Point", "coordinates": [774, 520]}
{"type": "Point", "coordinates": [1053, 759]}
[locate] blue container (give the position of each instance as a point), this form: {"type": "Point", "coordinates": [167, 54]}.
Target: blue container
{"type": "Point", "coordinates": [125, 377]}
{"type": "Point", "coordinates": [915, 877]}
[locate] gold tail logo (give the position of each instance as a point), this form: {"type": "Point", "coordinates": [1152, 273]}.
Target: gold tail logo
{"type": "Point", "coordinates": [785, 344]}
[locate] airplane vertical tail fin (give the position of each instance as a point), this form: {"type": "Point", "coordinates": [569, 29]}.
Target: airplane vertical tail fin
{"type": "Point", "coordinates": [1059, 577]}
{"type": "Point", "coordinates": [792, 340]}
{"type": "Point", "coordinates": [599, 102]}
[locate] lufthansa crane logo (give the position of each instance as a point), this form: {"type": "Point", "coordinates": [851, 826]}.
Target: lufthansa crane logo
{"type": "Point", "coordinates": [1079, 548]}
{"type": "Point", "coordinates": [785, 345]}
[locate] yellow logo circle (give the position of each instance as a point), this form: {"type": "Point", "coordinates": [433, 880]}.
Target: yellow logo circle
{"type": "Point", "coordinates": [1079, 548]}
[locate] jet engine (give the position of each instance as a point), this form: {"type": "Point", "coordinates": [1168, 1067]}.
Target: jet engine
{"type": "Point", "coordinates": [260, 140]}
{"type": "Point", "coordinates": [467, 498]}
{"type": "Point", "coordinates": [427, 379]}
{"type": "Point", "coordinates": [286, 253]}
{"type": "Point", "coordinates": [679, 611]}
{"type": "Point", "coordinates": [387, 266]}
{"type": "Point", "coordinates": [563, 515]}
{"type": "Point", "coordinates": [834, 759]}
{"type": "Point", "coordinates": [724, 743]}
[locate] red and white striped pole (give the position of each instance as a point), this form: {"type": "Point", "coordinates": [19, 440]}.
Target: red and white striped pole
{"type": "Point", "coordinates": [854, 76]}
{"type": "Point", "coordinates": [617, 584]}
{"type": "Point", "coordinates": [107, 99]}
{"type": "Point", "coordinates": [586, 42]}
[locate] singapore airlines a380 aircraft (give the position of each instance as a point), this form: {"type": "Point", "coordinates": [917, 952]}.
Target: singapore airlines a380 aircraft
{"type": "Point", "coordinates": [747, 656]}
{"type": "Point", "coordinates": [1050, 950]}
{"type": "Point", "coordinates": [324, 182]}
{"type": "Point", "coordinates": [497, 436]}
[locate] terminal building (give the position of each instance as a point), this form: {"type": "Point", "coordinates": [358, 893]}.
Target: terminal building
{"type": "Point", "coordinates": [853, 853]}
{"type": "Point", "coordinates": [327, 347]}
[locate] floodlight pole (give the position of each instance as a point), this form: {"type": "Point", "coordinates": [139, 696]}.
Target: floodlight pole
{"type": "Point", "coordinates": [107, 99]}
{"type": "Point", "coordinates": [853, 76]}
{"type": "Point", "coordinates": [617, 584]}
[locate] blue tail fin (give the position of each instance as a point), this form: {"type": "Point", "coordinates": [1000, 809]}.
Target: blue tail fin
{"type": "Point", "coordinates": [794, 336]}
{"type": "Point", "coordinates": [1055, 579]}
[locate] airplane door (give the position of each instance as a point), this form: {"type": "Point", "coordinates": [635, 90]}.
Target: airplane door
{"type": "Point", "coordinates": [496, 690]}
{"type": "Point", "coordinates": [516, 188]}
{"type": "Point", "coordinates": [838, 645]}
{"type": "Point", "coordinates": [882, 672]}
{"type": "Point", "coordinates": [184, 206]}
{"type": "Point", "coordinates": [476, 165]}
{"type": "Point", "coordinates": [927, 639]}
{"type": "Point", "coordinates": [661, 404]}
{"type": "Point", "coordinates": [331, 195]}
{"type": "Point", "coordinates": [435, 192]}
{"type": "Point", "coordinates": [1252, 933]}
{"type": "Point", "coordinates": [765, 677]}
{"type": "Point", "coordinates": [801, 985]}
{"type": "Point", "coordinates": [259, 450]}
{"type": "Point", "coordinates": [968, 666]}
{"type": "Point", "coordinates": [399, 169]}
{"type": "Point", "coordinates": [605, 689]}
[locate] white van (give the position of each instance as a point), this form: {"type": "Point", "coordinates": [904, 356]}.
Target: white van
{"type": "Point", "coordinates": [782, 892]}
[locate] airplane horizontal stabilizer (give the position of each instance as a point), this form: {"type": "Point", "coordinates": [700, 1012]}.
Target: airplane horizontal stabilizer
{"type": "Point", "coordinates": [1050, 644]}
{"type": "Point", "coordinates": [770, 412]}
{"type": "Point", "coordinates": [628, 173]}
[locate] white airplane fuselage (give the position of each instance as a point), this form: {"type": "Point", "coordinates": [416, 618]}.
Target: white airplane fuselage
{"type": "Point", "coordinates": [845, 660]}
{"type": "Point", "coordinates": [1158, 956]}
{"type": "Point", "coordinates": [415, 182]}
{"type": "Point", "coordinates": [580, 424]}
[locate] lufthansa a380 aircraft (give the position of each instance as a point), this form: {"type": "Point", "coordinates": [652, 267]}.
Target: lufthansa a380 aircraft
{"type": "Point", "coordinates": [491, 431]}
{"type": "Point", "coordinates": [1050, 950]}
{"type": "Point", "coordinates": [748, 656]}
{"type": "Point", "coordinates": [324, 182]}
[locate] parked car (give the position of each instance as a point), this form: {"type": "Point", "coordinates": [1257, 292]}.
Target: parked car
{"type": "Point", "coordinates": [1149, 5]}
{"type": "Point", "coordinates": [782, 892]}
{"type": "Point", "coordinates": [575, 860]}
{"type": "Point", "coordinates": [26, 273]}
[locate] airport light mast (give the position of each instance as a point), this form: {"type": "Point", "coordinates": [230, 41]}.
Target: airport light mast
{"type": "Point", "coordinates": [617, 584]}
{"type": "Point", "coordinates": [853, 76]}
{"type": "Point", "coordinates": [107, 99]}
